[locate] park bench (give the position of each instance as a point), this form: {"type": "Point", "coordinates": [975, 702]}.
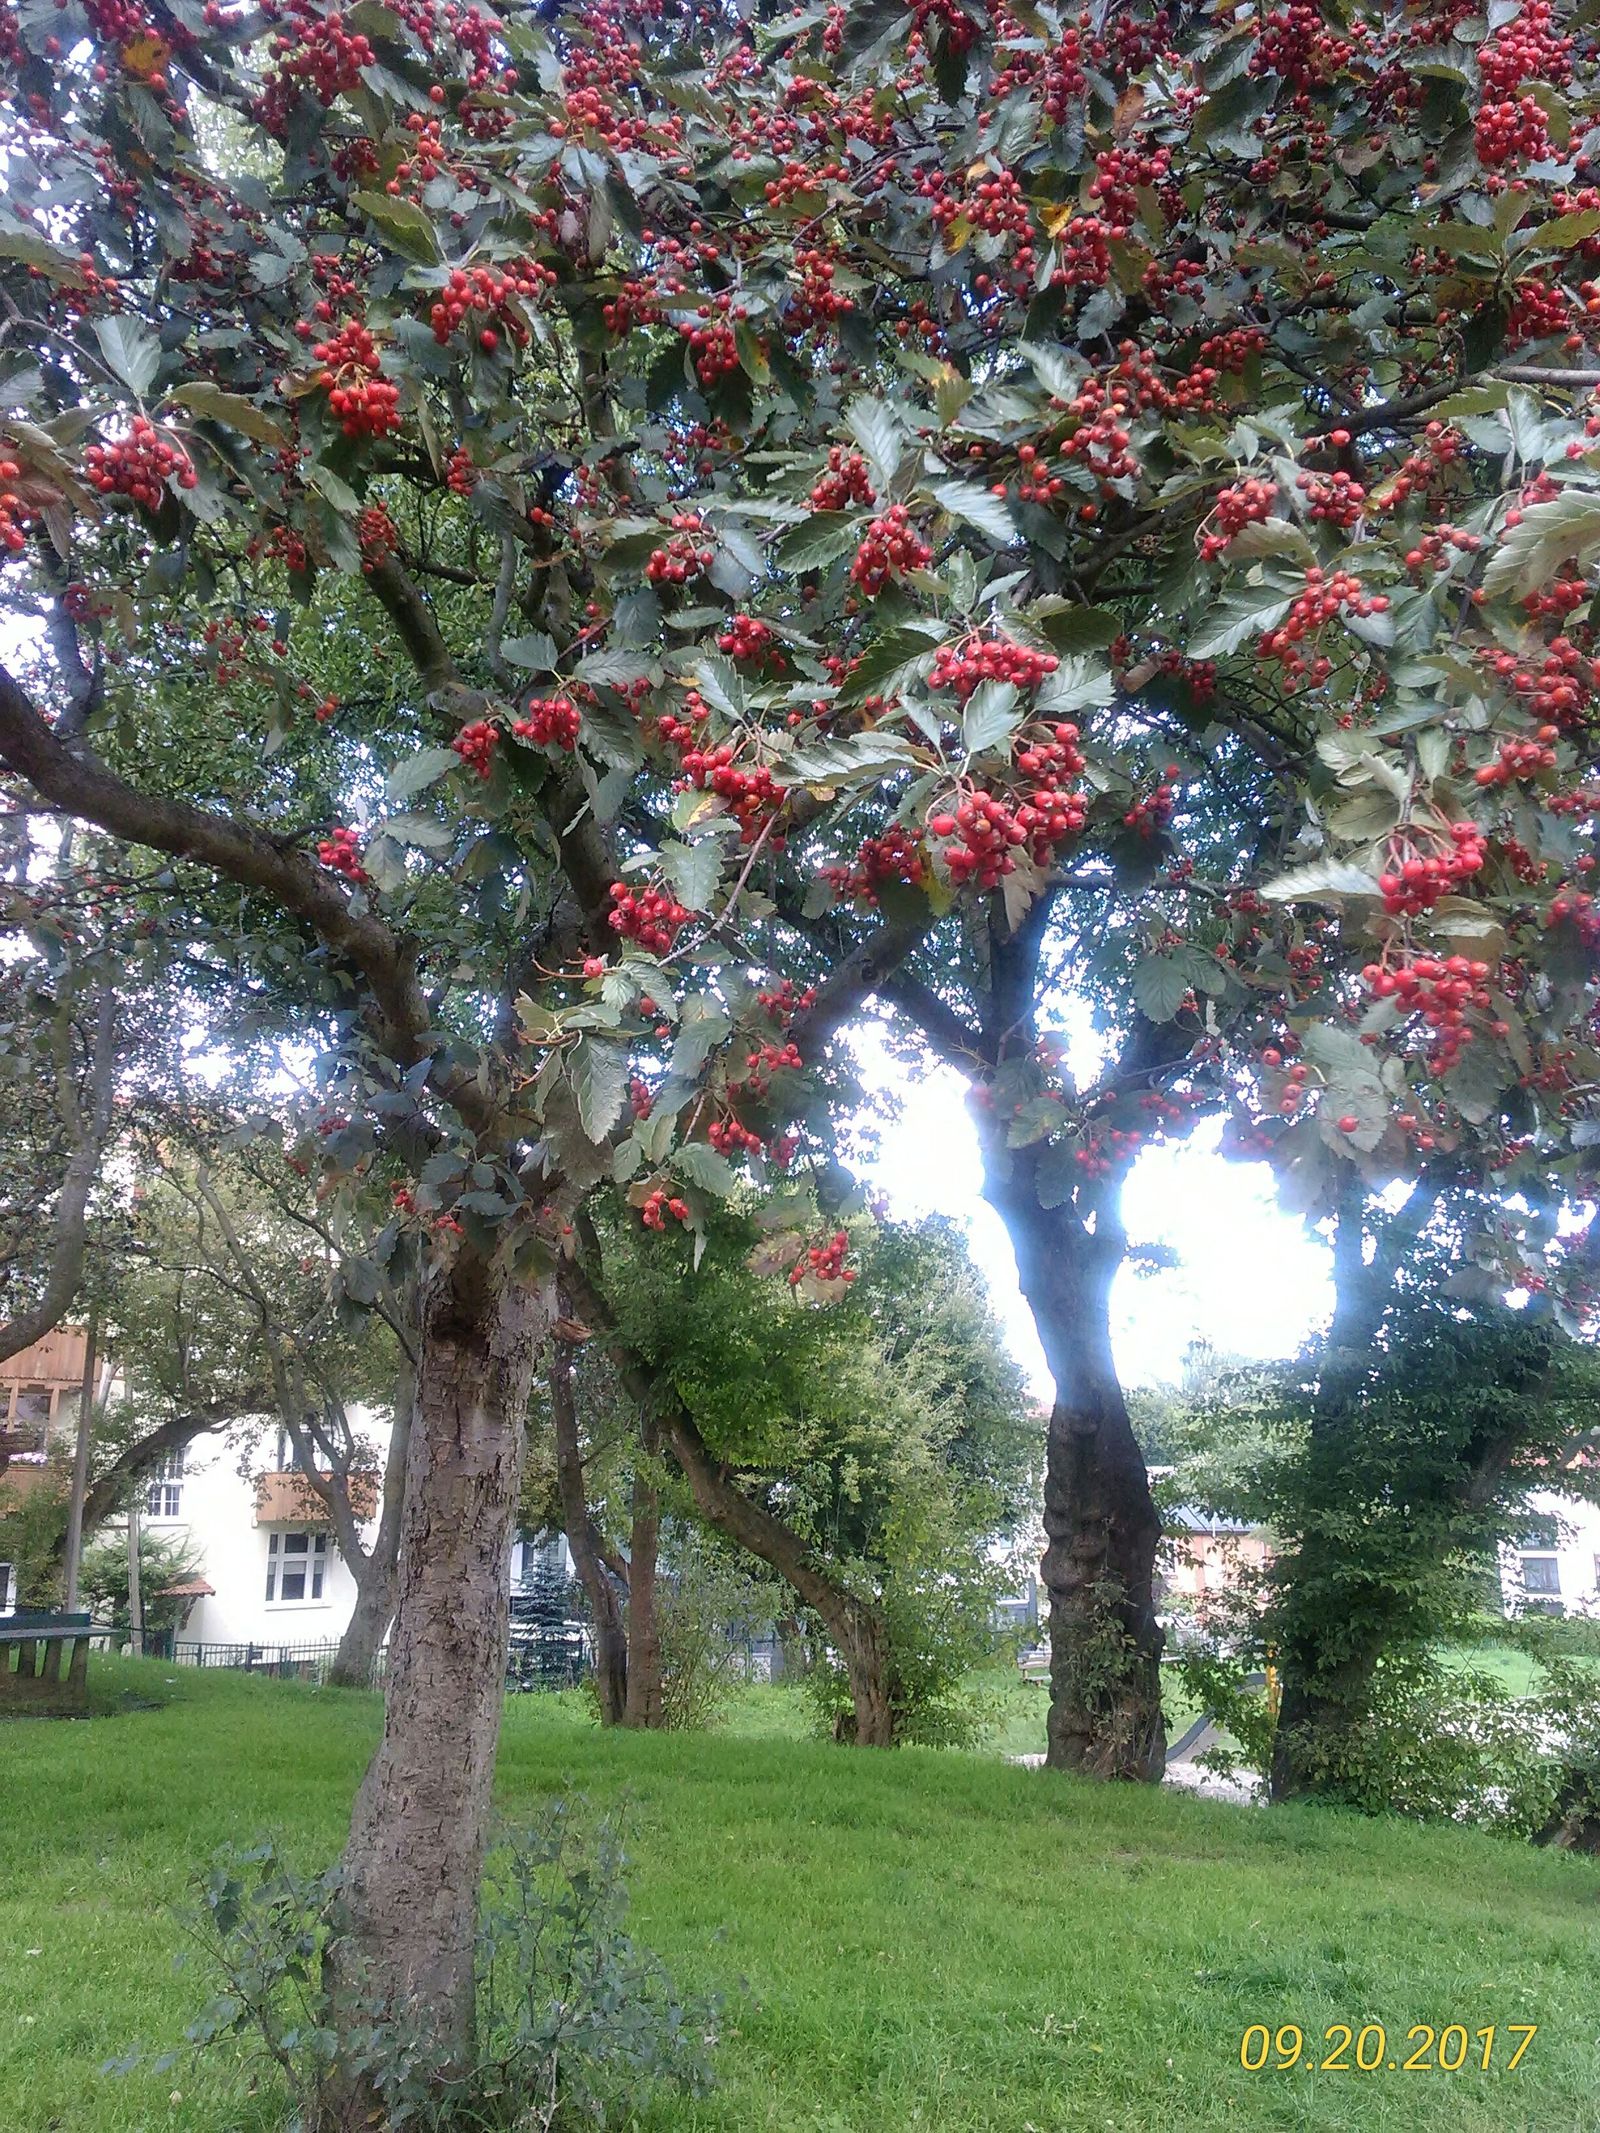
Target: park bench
{"type": "Point", "coordinates": [27, 1684]}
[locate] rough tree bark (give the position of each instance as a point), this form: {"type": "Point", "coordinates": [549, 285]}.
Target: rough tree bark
{"type": "Point", "coordinates": [587, 1545]}
{"type": "Point", "coordinates": [414, 1858]}
{"type": "Point", "coordinates": [355, 1662]}
{"type": "Point", "coordinates": [1101, 1526]}
{"type": "Point", "coordinates": [645, 1704]}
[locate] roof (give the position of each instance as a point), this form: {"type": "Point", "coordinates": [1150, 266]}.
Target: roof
{"type": "Point", "coordinates": [188, 1589]}
{"type": "Point", "coordinates": [1189, 1518]}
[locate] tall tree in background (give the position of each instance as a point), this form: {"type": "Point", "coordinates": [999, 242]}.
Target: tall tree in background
{"type": "Point", "coordinates": [775, 466]}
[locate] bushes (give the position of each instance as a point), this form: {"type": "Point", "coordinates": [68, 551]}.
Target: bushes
{"type": "Point", "coordinates": [575, 2022]}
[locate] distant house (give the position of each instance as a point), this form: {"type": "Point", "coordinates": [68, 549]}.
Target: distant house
{"type": "Point", "coordinates": [269, 1573]}
{"type": "Point", "coordinates": [1202, 1555]}
{"type": "Point", "coordinates": [1554, 1568]}
{"type": "Point", "coordinates": [267, 1570]}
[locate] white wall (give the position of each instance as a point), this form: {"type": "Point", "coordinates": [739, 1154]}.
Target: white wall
{"type": "Point", "coordinates": [216, 1520]}
{"type": "Point", "coordinates": [1576, 1554]}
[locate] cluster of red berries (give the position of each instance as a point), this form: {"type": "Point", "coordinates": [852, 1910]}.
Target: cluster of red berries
{"type": "Point", "coordinates": [1335, 499]}
{"type": "Point", "coordinates": [652, 917]}
{"type": "Point", "coordinates": [341, 854]}
{"type": "Point", "coordinates": [1323, 599]}
{"type": "Point", "coordinates": [1520, 759]}
{"type": "Point", "coordinates": [138, 466]}
{"type": "Point", "coordinates": [1415, 880]}
{"type": "Point", "coordinates": [14, 513]}
{"type": "Point", "coordinates": [890, 546]}
{"type": "Point", "coordinates": [1153, 812]}
{"type": "Point", "coordinates": [1512, 129]}
{"type": "Point", "coordinates": [1538, 311]}
{"type": "Point", "coordinates": [682, 557]}
{"type": "Point", "coordinates": [746, 637]}
{"type": "Point", "coordinates": [987, 836]}
{"type": "Point", "coordinates": [784, 1002]}
{"type": "Point", "coordinates": [713, 343]}
{"type": "Point", "coordinates": [895, 855]}
{"type": "Point", "coordinates": [767, 1060]}
{"type": "Point", "coordinates": [1557, 691]}
{"type": "Point", "coordinates": [476, 744]}
{"type": "Point", "coordinates": [1108, 1150]}
{"type": "Point", "coordinates": [550, 722]}
{"type": "Point", "coordinates": [823, 1262]}
{"type": "Point", "coordinates": [1245, 503]}
{"type": "Point", "coordinates": [1432, 551]}
{"type": "Point", "coordinates": [461, 476]}
{"type": "Point", "coordinates": [729, 1137]}
{"type": "Point", "coordinates": [653, 1214]}
{"type": "Point", "coordinates": [1440, 989]}
{"type": "Point", "coordinates": [318, 56]}
{"type": "Point", "coordinates": [845, 482]}
{"type": "Point", "coordinates": [963, 666]}
{"type": "Point", "coordinates": [1120, 175]}
{"type": "Point", "coordinates": [487, 290]}
{"type": "Point", "coordinates": [365, 401]}
{"type": "Point", "coordinates": [748, 788]}
{"type": "Point", "coordinates": [377, 536]}
{"type": "Point", "coordinates": [1297, 45]}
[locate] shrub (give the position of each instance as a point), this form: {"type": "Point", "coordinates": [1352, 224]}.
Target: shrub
{"type": "Point", "coordinates": [575, 2022]}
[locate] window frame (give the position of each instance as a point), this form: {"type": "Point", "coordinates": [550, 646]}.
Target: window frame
{"type": "Point", "coordinates": [309, 1562]}
{"type": "Point", "coordinates": [1545, 1563]}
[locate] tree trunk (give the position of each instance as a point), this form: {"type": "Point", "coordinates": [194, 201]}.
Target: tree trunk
{"type": "Point", "coordinates": [583, 1538]}
{"type": "Point", "coordinates": [856, 1629]}
{"type": "Point", "coordinates": [414, 1858]}
{"type": "Point", "coordinates": [355, 1662]}
{"type": "Point", "coordinates": [1101, 1527]}
{"type": "Point", "coordinates": [643, 1704]}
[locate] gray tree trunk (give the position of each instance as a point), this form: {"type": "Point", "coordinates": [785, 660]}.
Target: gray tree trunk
{"type": "Point", "coordinates": [356, 1660]}
{"type": "Point", "coordinates": [610, 1632]}
{"type": "Point", "coordinates": [644, 1704]}
{"type": "Point", "coordinates": [414, 1859]}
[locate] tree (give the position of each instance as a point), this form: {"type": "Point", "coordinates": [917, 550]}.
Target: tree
{"type": "Point", "coordinates": [635, 393]}
{"type": "Point", "coordinates": [860, 1433]}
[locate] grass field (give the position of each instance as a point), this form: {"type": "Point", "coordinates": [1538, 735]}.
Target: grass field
{"type": "Point", "coordinates": [917, 1941]}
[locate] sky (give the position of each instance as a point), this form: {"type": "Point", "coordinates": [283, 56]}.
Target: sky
{"type": "Point", "coordinates": [1250, 1279]}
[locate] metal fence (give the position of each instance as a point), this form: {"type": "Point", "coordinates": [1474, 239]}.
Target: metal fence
{"type": "Point", "coordinates": [287, 1662]}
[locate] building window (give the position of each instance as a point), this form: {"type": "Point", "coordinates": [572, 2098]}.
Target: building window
{"type": "Point", "coordinates": [1541, 1573]}
{"type": "Point", "coordinates": [30, 1416]}
{"type": "Point", "coordinates": [289, 1459]}
{"type": "Point", "coordinates": [8, 1589]}
{"type": "Point", "coordinates": [296, 1564]}
{"type": "Point", "coordinates": [164, 1497]}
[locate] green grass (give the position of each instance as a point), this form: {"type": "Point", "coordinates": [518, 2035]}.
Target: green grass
{"type": "Point", "coordinates": [910, 1941]}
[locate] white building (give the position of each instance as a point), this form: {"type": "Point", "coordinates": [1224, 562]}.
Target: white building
{"type": "Point", "coordinates": [269, 1573]}
{"type": "Point", "coordinates": [1555, 1569]}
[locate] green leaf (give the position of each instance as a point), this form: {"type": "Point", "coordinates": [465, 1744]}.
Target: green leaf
{"type": "Point", "coordinates": [131, 349]}
{"type": "Point", "coordinates": [36, 251]}
{"type": "Point", "coordinates": [880, 437]}
{"type": "Point", "coordinates": [965, 500]}
{"type": "Point", "coordinates": [1161, 984]}
{"type": "Point", "coordinates": [598, 1072]}
{"type": "Point", "coordinates": [693, 870]}
{"type": "Point", "coordinates": [1321, 880]}
{"type": "Point", "coordinates": [703, 1028]}
{"type": "Point", "coordinates": [822, 540]}
{"type": "Point", "coordinates": [854, 757]}
{"type": "Point", "coordinates": [1566, 529]}
{"type": "Point", "coordinates": [211, 404]}
{"type": "Point", "coordinates": [1239, 617]}
{"type": "Point", "coordinates": [992, 713]}
{"type": "Point", "coordinates": [403, 223]}
{"type": "Point", "coordinates": [886, 666]}
{"type": "Point", "coordinates": [614, 668]}
{"type": "Point", "coordinates": [720, 685]}
{"type": "Point", "coordinates": [417, 772]}
{"type": "Point", "coordinates": [701, 1165]}
{"type": "Point", "coordinates": [537, 652]}
{"type": "Point", "coordinates": [1076, 685]}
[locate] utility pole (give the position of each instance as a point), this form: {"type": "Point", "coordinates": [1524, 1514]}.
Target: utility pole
{"type": "Point", "coordinates": [80, 1464]}
{"type": "Point", "coordinates": [135, 1595]}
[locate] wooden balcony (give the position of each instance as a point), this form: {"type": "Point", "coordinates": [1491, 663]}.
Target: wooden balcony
{"type": "Point", "coordinates": [288, 1499]}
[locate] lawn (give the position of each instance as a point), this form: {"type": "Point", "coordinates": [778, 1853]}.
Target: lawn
{"type": "Point", "coordinates": [921, 1940]}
